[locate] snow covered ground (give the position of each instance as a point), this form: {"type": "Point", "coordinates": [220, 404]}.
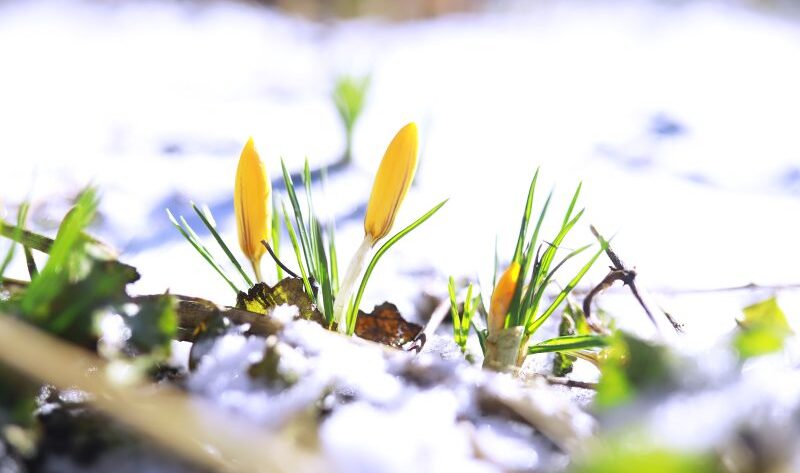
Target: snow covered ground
{"type": "Point", "coordinates": [679, 118]}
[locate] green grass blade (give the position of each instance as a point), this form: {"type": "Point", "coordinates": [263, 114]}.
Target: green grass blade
{"type": "Point", "coordinates": [572, 204]}
{"type": "Point", "coordinates": [331, 230]}
{"type": "Point", "coordinates": [276, 238]}
{"type": "Point", "coordinates": [553, 247]}
{"type": "Point", "coordinates": [334, 258]}
{"type": "Point", "coordinates": [213, 230]}
{"type": "Point", "coordinates": [481, 336]}
{"type": "Point", "coordinates": [533, 303]}
{"type": "Point", "coordinates": [569, 343]}
{"type": "Point", "coordinates": [33, 270]}
{"type": "Point", "coordinates": [313, 223]}
{"type": "Point", "coordinates": [516, 307]}
{"type": "Point", "coordinates": [192, 238]}
{"type": "Point", "coordinates": [351, 321]}
{"type": "Point", "coordinates": [385, 247]}
{"type": "Point", "coordinates": [26, 237]}
{"type": "Point", "coordinates": [536, 323]}
{"type": "Point", "coordinates": [469, 310]}
{"type": "Point", "coordinates": [67, 246]}
{"type": "Point", "coordinates": [305, 242]}
{"type": "Point", "coordinates": [296, 246]}
{"type": "Point", "coordinates": [496, 264]}
{"type": "Point", "coordinates": [324, 277]}
{"type": "Point", "coordinates": [22, 216]}
{"type": "Point", "coordinates": [526, 217]}
{"type": "Point", "coordinates": [451, 291]}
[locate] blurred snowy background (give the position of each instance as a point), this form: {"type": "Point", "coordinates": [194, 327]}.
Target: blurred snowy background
{"type": "Point", "coordinates": [680, 118]}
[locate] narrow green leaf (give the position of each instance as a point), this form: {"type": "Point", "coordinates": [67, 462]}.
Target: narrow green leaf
{"type": "Point", "coordinates": [469, 310]}
{"type": "Point", "coordinates": [334, 258]}
{"type": "Point", "coordinates": [515, 308]}
{"type": "Point", "coordinates": [572, 204]}
{"type": "Point", "coordinates": [213, 230]}
{"type": "Point", "coordinates": [536, 323]}
{"type": "Point", "coordinates": [296, 246]}
{"type": "Point", "coordinates": [22, 217]}
{"type": "Point", "coordinates": [69, 245]}
{"type": "Point", "coordinates": [33, 270]}
{"type": "Point", "coordinates": [451, 291]}
{"type": "Point", "coordinates": [496, 264]}
{"type": "Point", "coordinates": [323, 275]}
{"type": "Point", "coordinates": [191, 237]}
{"type": "Point", "coordinates": [533, 304]}
{"type": "Point", "coordinates": [526, 216]}
{"type": "Point", "coordinates": [352, 314]}
{"type": "Point", "coordinates": [276, 238]}
{"type": "Point", "coordinates": [569, 343]}
{"type": "Point", "coordinates": [305, 242]}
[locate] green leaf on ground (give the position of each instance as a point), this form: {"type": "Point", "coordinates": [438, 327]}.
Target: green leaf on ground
{"type": "Point", "coordinates": [763, 329]}
{"type": "Point", "coordinates": [635, 456]}
{"type": "Point", "coordinates": [631, 365]}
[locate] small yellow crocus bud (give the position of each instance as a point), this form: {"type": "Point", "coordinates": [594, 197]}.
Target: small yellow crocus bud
{"type": "Point", "coordinates": [252, 205]}
{"type": "Point", "coordinates": [392, 181]}
{"type": "Point", "coordinates": [501, 297]}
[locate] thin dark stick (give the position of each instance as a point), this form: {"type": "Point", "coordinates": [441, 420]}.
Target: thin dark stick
{"type": "Point", "coordinates": [618, 272]}
{"type": "Point", "coordinates": [278, 261]}
{"type": "Point", "coordinates": [570, 383]}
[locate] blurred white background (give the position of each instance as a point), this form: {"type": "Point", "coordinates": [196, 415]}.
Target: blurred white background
{"type": "Point", "coordinates": [680, 119]}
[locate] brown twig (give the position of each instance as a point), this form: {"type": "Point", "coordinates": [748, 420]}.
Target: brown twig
{"type": "Point", "coordinates": [618, 272]}
{"type": "Point", "coordinates": [193, 312]}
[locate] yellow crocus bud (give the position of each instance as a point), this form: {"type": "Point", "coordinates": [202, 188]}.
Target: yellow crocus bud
{"type": "Point", "coordinates": [391, 182]}
{"type": "Point", "coordinates": [501, 297]}
{"type": "Point", "coordinates": [252, 205]}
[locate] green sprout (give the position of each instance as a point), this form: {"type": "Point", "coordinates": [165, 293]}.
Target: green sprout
{"type": "Point", "coordinates": [518, 308]}
{"type": "Point", "coordinates": [349, 95]}
{"type": "Point", "coordinates": [461, 323]}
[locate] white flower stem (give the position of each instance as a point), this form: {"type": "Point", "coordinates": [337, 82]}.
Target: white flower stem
{"type": "Point", "coordinates": [349, 282]}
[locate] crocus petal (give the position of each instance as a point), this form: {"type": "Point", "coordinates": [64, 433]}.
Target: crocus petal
{"type": "Point", "coordinates": [392, 181]}
{"type": "Point", "coordinates": [251, 202]}
{"type": "Point", "coordinates": [501, 297]}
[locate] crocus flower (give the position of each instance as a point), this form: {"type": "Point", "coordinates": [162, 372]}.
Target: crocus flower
{"type": "Point", "coordinates": [501, 297]}
{"type": "Point", "coordinates": [392, 181]}
{"type": "Point", "coordinates": [252, 205]}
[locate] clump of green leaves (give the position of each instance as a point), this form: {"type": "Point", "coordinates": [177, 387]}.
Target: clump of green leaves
{"type": "Point", "coordinates": [527, 304]}
{"type": "Point", "coordinates": [349, 95]}
{"type": "Point", "coordinates": [461, 320]}
{"type": "Point", "coordinates": [763, 329]}
{"type": "Point", "coordinates": [314, 249]}
{"type": "Point", "coordinates": [538, 268]}
{"type": "Point", "coordinates": [81, 280]}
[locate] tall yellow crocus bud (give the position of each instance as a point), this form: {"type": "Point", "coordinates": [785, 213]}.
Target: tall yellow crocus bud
{"type": "Point", "coordinates": [392, 181]}
{"type": "Point", "coordinates": [501, 297]}
{"type": "Point", "coordinates": [253, 205]}
{"type": "Point", "coordinates": [391, 184]}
